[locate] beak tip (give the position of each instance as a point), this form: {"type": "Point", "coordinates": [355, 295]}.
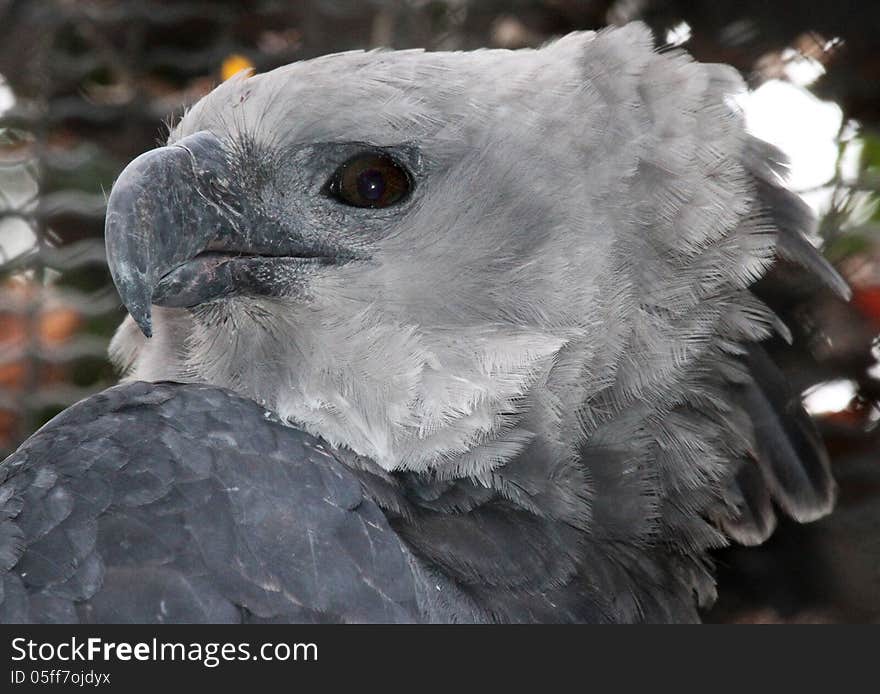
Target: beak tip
{"type": "Point", "coordinates": [144, 321]}
{"type": "Point", "coordinates": [146, 327]}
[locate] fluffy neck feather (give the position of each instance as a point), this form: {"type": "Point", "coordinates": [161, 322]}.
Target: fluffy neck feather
{"type": "Point", "coordinates": [406, 397]}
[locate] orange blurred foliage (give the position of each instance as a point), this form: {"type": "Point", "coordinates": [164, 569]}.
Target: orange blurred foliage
{"type": "Point", "coordinates": [233, 64]}
{"type": "Point", "coordinates": [32, 315]}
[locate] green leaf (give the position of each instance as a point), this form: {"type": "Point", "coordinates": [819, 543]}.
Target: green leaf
{"type": "Point", "coordinates": [869, 158]}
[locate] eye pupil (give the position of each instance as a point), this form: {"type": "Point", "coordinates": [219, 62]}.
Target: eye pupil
{"type": "Point", "coordinates": [371, 184]}
{"type": "Point", "coordinates": [369, 179]}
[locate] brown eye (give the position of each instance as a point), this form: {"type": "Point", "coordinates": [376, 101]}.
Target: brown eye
{"type": "Point", "coordinates": [370, 180]}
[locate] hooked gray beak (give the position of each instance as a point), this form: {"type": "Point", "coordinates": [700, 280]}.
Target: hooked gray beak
{"type": "Point", "coordinates": [180, 232]}
{"type": "Point", "coordinates": [158, 217]}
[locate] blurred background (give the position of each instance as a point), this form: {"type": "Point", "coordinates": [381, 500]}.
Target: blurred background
{"type": "Point", "coordinates": [86, 85]}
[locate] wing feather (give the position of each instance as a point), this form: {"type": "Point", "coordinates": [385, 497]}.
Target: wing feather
{"type": "Point", "coordinates": [185, 503]}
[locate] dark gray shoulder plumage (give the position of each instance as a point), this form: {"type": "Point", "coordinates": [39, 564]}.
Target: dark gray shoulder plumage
{"type": "Point", "coordinates": [185, 503]}
{"type": "Point", "coordinates": [788, 467]}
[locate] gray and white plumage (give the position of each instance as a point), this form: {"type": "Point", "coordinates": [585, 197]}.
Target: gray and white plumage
{"type": "Point", "coordinates": [543, 364]}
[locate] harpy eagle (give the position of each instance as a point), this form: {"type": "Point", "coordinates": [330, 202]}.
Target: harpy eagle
{"type": "Point", "coordinates": [433, 337]}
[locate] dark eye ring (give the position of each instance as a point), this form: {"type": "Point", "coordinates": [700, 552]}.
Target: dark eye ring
{"type": "Point", "coordinates": [370, 179]}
